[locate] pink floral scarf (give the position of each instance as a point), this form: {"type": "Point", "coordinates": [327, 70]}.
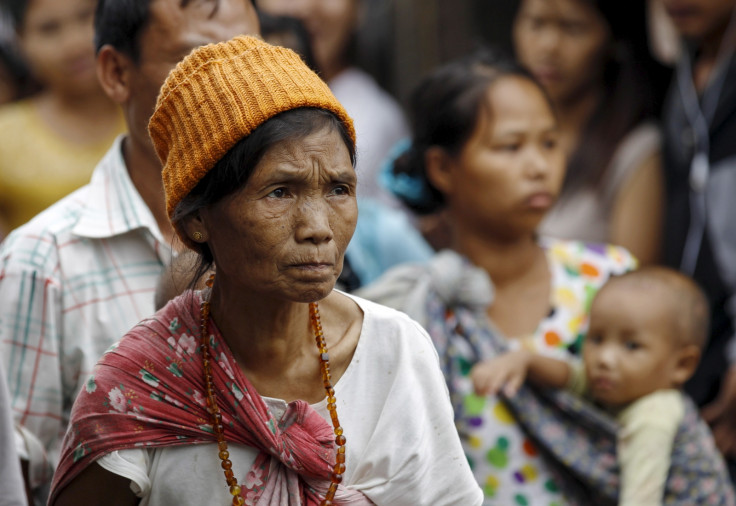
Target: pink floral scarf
{"type": "Point", "coordinates": [148, 390]}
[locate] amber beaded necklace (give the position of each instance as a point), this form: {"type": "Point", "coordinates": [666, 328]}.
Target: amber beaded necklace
{"type": "Point", "coordinates": [324, 358]}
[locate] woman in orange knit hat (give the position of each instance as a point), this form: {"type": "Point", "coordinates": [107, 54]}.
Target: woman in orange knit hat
{"type": "Point", "coordinates": [268, 386]}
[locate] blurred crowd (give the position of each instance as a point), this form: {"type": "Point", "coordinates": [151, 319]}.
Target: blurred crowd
{"type": "Point", "coordinates": [495, 204]}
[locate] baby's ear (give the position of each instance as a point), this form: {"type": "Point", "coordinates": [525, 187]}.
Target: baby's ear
{"type": "Point", "coordinates": [688, 357]}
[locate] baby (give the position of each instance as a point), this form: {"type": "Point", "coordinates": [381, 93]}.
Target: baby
{"type": "Point", "coordinates": [647, 329]}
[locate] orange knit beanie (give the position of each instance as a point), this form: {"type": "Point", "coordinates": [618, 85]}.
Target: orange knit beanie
{"type": "Point", "coordinates": [219, 94]}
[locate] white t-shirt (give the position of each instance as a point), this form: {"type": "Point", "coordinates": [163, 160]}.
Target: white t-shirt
{"type": "Point", "coordinates": [402, 445]}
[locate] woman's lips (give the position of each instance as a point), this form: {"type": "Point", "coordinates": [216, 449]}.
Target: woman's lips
{"type": "Point", "coordinates": [540, 200]}
{"type": "Point", "coordinates": [681, 15]}
{"type": "Point", "coordinates": [547, 75]}
{"type": "Point", "coordinates": [314, 267]}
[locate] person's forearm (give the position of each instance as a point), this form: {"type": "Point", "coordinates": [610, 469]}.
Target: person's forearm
{"type": "Point", "coordinates": [547, 371]}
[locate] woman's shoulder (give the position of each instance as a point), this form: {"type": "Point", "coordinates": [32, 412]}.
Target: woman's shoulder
{"type": "Point", "coordinates": [397, 286]}
{"type": "Point", "coordinates": [387, 326]}
{"type": "Point", "coordinates": [588, 259]}
{"type": "Point", "coordinates": [171, 326]}
{"type": "Point", "coordinates": [449, 276]}
{"type": "Point", "coordinates": [391, 344]}
{"type": "Point", "coordinates": [641, 141]}
{"type": "Point", "coordinates": [639, 145]}
{"type": "Point", "coordinates": [377, 314]}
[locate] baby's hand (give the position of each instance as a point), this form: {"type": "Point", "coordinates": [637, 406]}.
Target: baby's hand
{"type": "Point", "coordinates": [506, 372]}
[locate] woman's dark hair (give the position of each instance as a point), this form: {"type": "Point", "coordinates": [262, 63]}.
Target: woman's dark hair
{"type": "Point", "coordinates": [12, 66]}
{"type": "Point", "coordinates": [634, 87]}
{"type": "Point", "coordinates": [16, 11]}
{"type": "Point", "coordinates": [232, 172]}
{"type": "Point", "coordinates": [444, 110]}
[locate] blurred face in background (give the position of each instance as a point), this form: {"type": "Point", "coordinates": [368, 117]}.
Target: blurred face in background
{"type": "Point", "coordinates": [330, 23]}
{"type": "Point", "coordinates": [56, 40]}
{"type": "Point", "coordinates": [700, 19]}
{"type": "Point", "coordinates": [508, 174]}
{"type": "Point", "coordinates": [564, 43]}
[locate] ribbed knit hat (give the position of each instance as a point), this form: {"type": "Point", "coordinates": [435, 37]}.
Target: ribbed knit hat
{"type": "Point", "coordinates": [219, 94]}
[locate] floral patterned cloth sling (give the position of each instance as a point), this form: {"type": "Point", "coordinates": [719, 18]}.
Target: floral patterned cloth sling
{"type": "Point", "coordinates": [148, 391]}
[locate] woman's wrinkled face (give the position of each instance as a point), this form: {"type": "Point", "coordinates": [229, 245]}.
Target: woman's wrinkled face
{"type": "Point", "coordinates": [330, 24]}
{"type": "Point", "coordinates": [57, 41]}
{"type": "Point", "coordinates": [564, 43]}
{"type": "Point", "coordinates": [510, 171]}
{"type": "Point", "coordinates": [284, 234]}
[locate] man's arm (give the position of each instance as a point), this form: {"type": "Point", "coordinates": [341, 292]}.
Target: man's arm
{"type": "Point", "coordinates": [30, 337]}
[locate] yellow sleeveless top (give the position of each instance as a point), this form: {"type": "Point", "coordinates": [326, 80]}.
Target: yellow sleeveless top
{"type": "Point", "coordinates": [37, 167]}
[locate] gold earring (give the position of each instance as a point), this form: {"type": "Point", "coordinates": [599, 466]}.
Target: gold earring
{"type": "Point", "coordinates": [197, 236]}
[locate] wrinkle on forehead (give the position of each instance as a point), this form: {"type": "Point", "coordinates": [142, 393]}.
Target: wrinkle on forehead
{"type": "Point", "coordinates": [322, 152]}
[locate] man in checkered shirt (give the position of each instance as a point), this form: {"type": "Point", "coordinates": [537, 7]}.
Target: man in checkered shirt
{"type": "Point", "coordinates": [79, 275]}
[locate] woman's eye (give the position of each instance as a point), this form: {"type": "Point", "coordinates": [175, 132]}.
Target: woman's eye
{"type": "Point", "coordinates": [534, 23]}
{"type": "Point", "coordinates": [278, 193]}
{"type": "Point", "coordinates": [550, 144]}
{"type": "Point", "coordinates": [341, 190]}
{"type": "Point", "coordinates": [574, 29]}
{"type": "Point", "coordinates": [509, 148]}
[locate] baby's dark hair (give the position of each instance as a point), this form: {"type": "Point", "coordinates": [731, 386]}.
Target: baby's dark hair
{"type": "Point", "coordinates": [688, 304]}
{"type": "Point", "coordinates": [444, 110]}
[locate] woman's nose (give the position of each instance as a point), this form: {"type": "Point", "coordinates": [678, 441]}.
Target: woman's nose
{"type": "Point", "coordinates": [538, 163]}
{"type": "Point", "coordinates": [313, 221]}
{"type": "Point", "coordinates": [548, 39]}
